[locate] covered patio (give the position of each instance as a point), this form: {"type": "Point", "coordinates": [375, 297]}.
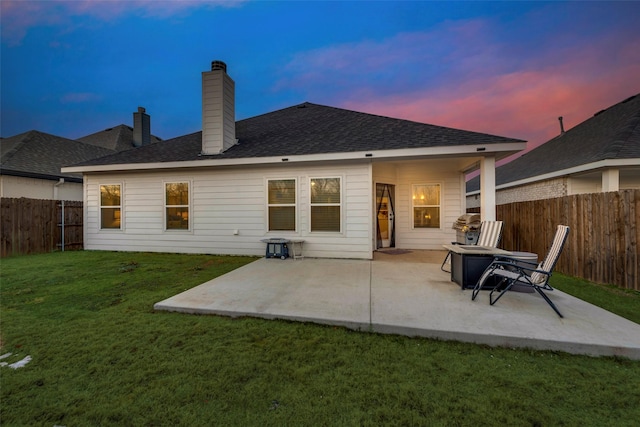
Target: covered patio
{"type": "Point", "coordinates": [405, 292]}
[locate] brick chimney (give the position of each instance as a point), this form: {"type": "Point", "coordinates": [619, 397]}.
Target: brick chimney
{"type": "Point", "coordinates": [141, 128]}
{"type": "Point", "coordinates": [218, 110]}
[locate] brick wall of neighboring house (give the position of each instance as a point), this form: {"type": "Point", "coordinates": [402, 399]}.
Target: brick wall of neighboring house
{"type": "Point", "coordinates": [547, 189]}
{"type": "Point", "coordinates": [473, 201]}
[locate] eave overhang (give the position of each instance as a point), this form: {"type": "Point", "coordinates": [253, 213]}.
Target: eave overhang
{"type": "Point", "coordinates": [49, 177]}
{"type": "Point", "coordinates": [500, 151]}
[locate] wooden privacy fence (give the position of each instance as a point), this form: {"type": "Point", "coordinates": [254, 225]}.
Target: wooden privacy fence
{"type": "Point", "coordinates": [603, 242]}
{"type": "Point", "coordinates": [36, 226]}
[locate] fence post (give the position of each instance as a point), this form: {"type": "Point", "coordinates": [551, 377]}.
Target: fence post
{"type": "Point", "coordinates": [62, 225]}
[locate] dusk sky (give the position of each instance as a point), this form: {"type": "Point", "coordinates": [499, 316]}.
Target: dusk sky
{"type": "Point", "coordinates": [72, 68]}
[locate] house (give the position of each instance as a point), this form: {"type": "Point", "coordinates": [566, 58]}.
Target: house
{"type": "Point", "coordinates": [598, 155]}
{"type": "Point", "coordinates": [123, 137]}
{"type": "Point", "coordinates": [345, 182]}
{"type": "Point", "coordinates": [31, 162]}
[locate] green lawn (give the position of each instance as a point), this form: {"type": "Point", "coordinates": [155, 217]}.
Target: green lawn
{"type": "Point", "coordinates": [623, 302]}
{"type": "Point", "coordinates": [102, 356]}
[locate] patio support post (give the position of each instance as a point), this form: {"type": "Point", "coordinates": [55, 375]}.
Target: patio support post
{"type": "Point", "coordinates": [610, 180]}
{"type": "Point", "coordinates": [488, 189]}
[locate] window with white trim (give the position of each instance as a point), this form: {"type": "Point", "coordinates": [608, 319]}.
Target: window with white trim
{"type": "Point", "coordinates": [176, 205]}
{"type": "Point", "coordinates": [281, 201]}
{"type": "Point", "coordinates": [110, 207]}
{"type": "Point", "coordinates": [426, 205]}
{"type": "Point", "coordinates": [326, 204]}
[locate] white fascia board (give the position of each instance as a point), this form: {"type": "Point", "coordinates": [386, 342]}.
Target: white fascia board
{"type": "Point", "coordinates": [589, 167]}
{"type": "Point", "coordinates": [458, 150]}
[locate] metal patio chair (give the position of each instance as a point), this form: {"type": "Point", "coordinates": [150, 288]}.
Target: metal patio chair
{"type": "Point", "coordinates": [490, 235]}
{"type": "Point", "coordinates": [507, 272]}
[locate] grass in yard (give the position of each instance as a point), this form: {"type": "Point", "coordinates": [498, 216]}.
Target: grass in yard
{"type": "Point", "coordinates": [102, 356]}
{"type": "Point", "coordinates": [623, 302]}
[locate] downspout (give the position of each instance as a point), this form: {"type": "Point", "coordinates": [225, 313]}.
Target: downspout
{"type": "Point", "coordinates": [55, 188]}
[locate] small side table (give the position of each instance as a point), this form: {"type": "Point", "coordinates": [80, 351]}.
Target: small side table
{"type": "Point", "coordinates": [294, 249]}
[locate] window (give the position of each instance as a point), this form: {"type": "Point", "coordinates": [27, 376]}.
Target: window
{"type": "Point", "coordinates": [282, 204]}
{"type": "Point", "coordinates": [177, 205]}
{"type": "Point", "coordinates": [426, 206]}
{"type": "Point", "coordinates": [325, 204]}
{"type": "Point", "coordinates": [110, 207]}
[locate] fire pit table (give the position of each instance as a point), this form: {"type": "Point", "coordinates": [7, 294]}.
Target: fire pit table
{"type": "Point", "coordinates": [468, 262]}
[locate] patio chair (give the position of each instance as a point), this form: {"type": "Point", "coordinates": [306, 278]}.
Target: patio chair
{"type": "Point", "coordinates": [507, 272]}
{"type": "Point", "coordinates": [490, 234]}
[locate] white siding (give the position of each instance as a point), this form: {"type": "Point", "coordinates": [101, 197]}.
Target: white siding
{"type": "Point", "coordinates": [629, 179]}
{"type": "Point", "coordinates": [45, 189]}
{"type": "Point", "coordinates": [224, 201]}
{"type": "Point", "coordinates": [583, 185]}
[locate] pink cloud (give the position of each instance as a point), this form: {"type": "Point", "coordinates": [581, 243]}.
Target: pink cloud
{"type": "Point", "coordinates": [19, 16]}
{"type": "Point", "coordinates": [421, 52]}
{"type": "Point", "coordinates": [472, 77]}
{"type": "Point", "coordinates": [525, 103]}
{"type": "Point", "coordinates": [113, 9]}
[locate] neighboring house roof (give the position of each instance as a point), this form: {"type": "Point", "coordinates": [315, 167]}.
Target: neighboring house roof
{"type": "Point", "coordinates": [37, 154]}
{"type": "Point", "coordinates": [611, 134]}
{"type": "Point", "coordinates": [307, 129]}
{"type": "Point", "coordinates": [117, 138]}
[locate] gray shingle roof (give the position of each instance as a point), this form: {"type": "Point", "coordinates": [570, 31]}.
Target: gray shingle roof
{"type": "Point", "coordinates": [308, 129]}
{"type": "Point", "coordinates": [41, 155]}
{"type": "Point", "coordinates": [611, 134]}
{"type": "Point", "coordinates": [117, 138]}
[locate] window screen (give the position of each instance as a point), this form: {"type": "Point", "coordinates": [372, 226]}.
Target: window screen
{"type": "Point", "coordinates": [426, 206]}
{"type": "Point", "coordinates": [282, 204]}
{"type": "Point", "coordinates": [110, 207]}
{"type": "Point", "coordinates": [177, 205]}
{"type": "Point", "coordinates": [325, 204]}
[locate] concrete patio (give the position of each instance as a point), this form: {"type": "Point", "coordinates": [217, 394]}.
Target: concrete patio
{"type": "Point", "coordinates": [405, 292]}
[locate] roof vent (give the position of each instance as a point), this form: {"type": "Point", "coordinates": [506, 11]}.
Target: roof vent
{"type": "Point", "coordinates": [218, 65]}
{"type": "Point", "coordinates": [561, 125]}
